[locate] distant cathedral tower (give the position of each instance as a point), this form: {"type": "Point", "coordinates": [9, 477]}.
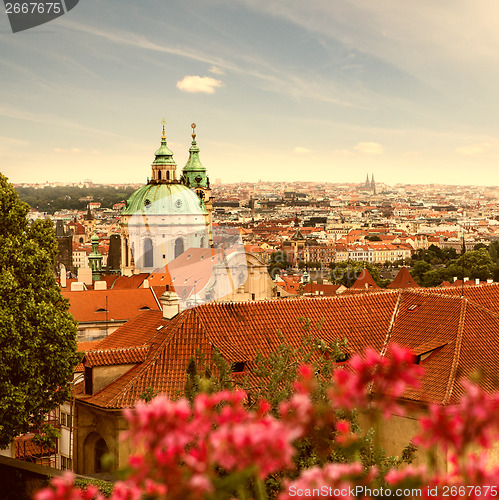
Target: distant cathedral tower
{"type": "Point", "coordinates": [369, 185]}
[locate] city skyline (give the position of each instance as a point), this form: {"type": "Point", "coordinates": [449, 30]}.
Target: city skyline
{"type": "Point", "coordinates": [280, 91]}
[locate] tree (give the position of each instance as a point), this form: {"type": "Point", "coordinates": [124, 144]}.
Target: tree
{"type": "Point", "coordinates": [278, 261]}
{"type": "Point", "coordinates": [37, 334]}
{"type": "Point", "coordinates": [494, 251]}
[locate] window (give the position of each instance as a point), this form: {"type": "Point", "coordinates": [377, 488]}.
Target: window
{"type": "Point", "coordinates": [148, 253]}
{"type": "Point", "coordinates": [179, 247]}
{"type": "Point", "coordinates": [238, 367]}
{"type": "Point", "coordinates": [66, 463]}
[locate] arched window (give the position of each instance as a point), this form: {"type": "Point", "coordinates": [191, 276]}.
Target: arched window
{"type": "Point", "coordinates": [167, 175]}
{"type": "Point", "coordinates": [159, 174]}
{"type": "Point", "coordinates": [148, 253]}
{"type": "Point", "coordinates": [179, 247]}
{"type": "Point", "coordinates": [202, 243]}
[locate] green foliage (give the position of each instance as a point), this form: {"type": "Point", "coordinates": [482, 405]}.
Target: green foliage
{"type": "Point", "coordinates": [52, 199]}
{"type": "Point", "coordinates": [105, 487]}
{"type": "Point", "coordinates": [46, 436]}
{"type": "Point", "coordinates": [37, 334]}
{"type": "Point", "coordinates": [473, 264]}
{"type": "Point", "coordinates": [373, 237]}
{"type": "Point", "coordinates": [278, 261]}
{"type": "Point", "coordinates": [148, 394]}
{"type": "Point", "coordinates": [435, 255]}
{"type": "Point", "coordinates": [493, 250]}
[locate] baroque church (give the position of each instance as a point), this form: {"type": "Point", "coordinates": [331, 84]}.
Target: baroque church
{"type": "Point", "coordinates": [167, 215]}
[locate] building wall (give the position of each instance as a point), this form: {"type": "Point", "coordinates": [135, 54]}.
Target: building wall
{"type": "Point", "coordinates": [92, 424]}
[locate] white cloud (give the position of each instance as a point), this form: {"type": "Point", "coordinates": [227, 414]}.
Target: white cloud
{"type": "Point", "coordinates": [195, 84]}
{"type": "Point", "coordinates": [301, 150]}
{"type": "Point", "coordinates": [370, 148]}
{"type": "Point", "coordinates": [217, 71]}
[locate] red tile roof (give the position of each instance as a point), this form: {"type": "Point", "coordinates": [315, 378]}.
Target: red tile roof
{"type": "Point", "coordinates": [90, 306]}
{"type": "Point", "coordinates": [453, 337]}
{"type": "Point", "coordinates": [129, 282]}
{"type": "Point", "coordinates": [121, 356]}
{"type": "Point", "coordinates": [403, 280]}
{"type": "Point", "coordinates": [365, 281]}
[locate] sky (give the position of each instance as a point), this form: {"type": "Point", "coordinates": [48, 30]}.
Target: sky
{"type": "Point", "coordinates": [280, 90]}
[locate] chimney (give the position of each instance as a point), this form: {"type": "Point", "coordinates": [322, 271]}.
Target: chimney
{"type": "Point", "coordinates": [455, 278]}
{"type": "Point", "coordinates": [170, 304]}
{"type": "Point", "coordinates": [100, 285]}
{"type": "Point", "coordinates": [63, 278]}
{"type": "Point", "coordinates": [477, 281]}
{"type": "Point", "coordinates": [466, 279]}
{"type": "Point", "coordinates": [490, 281]}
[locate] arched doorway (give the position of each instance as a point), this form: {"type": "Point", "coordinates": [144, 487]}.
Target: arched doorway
{"type": "Point", "coordinates": [100, 449]}
{"type": "Point", "coordinates": [148, 253]}
{"type": "Point", "coordinates": [179, 247]}
{"type": "Point", "coordinates": [94, 449]}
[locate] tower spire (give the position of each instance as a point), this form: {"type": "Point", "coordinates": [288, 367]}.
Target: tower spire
{"type": "Point", "coordinates": [193, 135]}
{"type": "Point", "coordinates": [164, 167]}
{"type": "Point", "coordinates": [194, 174]}
{"type": "Point", "coordinates": [163, 135]}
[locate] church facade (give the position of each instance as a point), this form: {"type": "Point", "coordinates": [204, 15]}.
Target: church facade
{"type": "Point", "coordinates": [167, 215]}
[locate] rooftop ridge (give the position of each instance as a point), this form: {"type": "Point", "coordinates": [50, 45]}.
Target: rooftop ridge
{"type": "Point", "coordinates": [300, 298]}
{"type": "Point", "coordinates": [457, 353]}
{"type": "Point", "coordinates": [392, 323]}
{"type": "Point", "coordinates": [131, 348]}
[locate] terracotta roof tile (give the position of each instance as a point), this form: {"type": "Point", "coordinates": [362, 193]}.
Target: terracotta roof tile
{"type": "Point", "coordinates": [403, 280]}
{"type": "Point", "coordinates": [451, 335]}
{"type": "Point", "coordinates": [91, 305]}
{"type": "Point", "coordinates": [120, 356]}
{"type": "Point", "coordinates": [365, 281]}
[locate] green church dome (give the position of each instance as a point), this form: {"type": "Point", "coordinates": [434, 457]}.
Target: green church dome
{"type": "Point", "coordinates": [164, 199]}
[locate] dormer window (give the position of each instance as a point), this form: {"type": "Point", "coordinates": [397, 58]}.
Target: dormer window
{"type": "Point", "coordinates": [238, 366]}
{"type": "Point", "coordinates": [101, 310]}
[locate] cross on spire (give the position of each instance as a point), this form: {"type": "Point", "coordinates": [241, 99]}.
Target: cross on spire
{"type": "Point", "coordinates": [163, 121]}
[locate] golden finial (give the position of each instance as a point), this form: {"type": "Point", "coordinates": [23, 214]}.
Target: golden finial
{"type": "Point", "coordinates": [163, 121]}
{"type": "Point", "coordinates": [193, 126]}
